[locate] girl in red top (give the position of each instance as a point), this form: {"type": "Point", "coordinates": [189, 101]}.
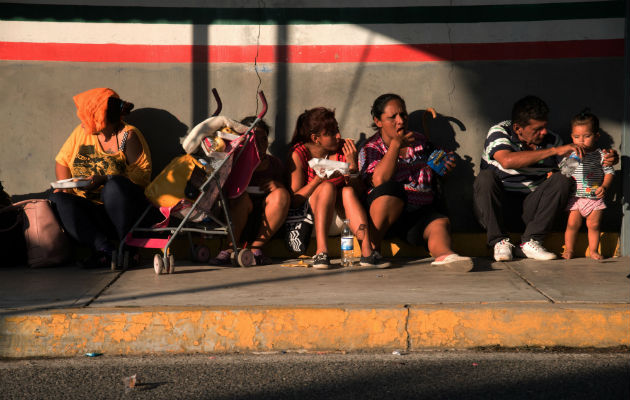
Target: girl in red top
{"type": "Point", "coordinates": [317, 136]}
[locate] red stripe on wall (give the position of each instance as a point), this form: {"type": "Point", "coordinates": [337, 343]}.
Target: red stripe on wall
{"type": "Point", "coordinates": [21, 51]}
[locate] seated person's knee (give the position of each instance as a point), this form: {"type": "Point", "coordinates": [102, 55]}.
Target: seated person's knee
{"type": "Point", "coordinates": [564, 182]}
{"type": "Point", "coordinates": [389, 194]}
{"type": "Point", "coordinates": [326, 189]}
{"type": "Point", "coordinates": [116, 185]}
{"type": "Point", "coordinates": [442, 223]}
{"type": "Point", "coordinates": [280, 198]}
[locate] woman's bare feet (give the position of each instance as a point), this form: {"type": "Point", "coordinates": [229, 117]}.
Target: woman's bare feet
{"type": "Point", "coordinates": [595, 255]}
{"type": "Point", "coordinates": [567, 254]}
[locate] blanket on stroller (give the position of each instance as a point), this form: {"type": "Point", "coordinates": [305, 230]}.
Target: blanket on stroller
{"type": "Point", "coordinates": [209, 128]}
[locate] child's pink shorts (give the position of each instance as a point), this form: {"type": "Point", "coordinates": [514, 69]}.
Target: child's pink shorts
{"type": "Point", "coordinates": [585, 205]}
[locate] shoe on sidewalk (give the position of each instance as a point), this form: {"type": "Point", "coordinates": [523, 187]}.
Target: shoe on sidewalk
{"type": "Point", "coordinates": [321, 261]}
{"type": "Point", "coordinates": [98, 259]}
{"type": "Point", "coordinates": [534, 249]}
{"type": "Point", "coordinates": [223, 258]}
{"type": "Point", "coordinates": [454, 260]}
{"type": "Point", "coordinates": [260, 258]}
{"type": "Point", "coordinates": [503, 250]}
{"type": "Point", "coordinates": [374, 260]}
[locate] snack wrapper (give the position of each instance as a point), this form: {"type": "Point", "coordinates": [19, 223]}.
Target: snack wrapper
{"type": "Point", "coordinates": [437, 161]}
{"type": "Point", "coordinates": [325, 168]}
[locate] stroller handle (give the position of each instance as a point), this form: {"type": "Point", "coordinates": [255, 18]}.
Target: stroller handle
{"type": "Point", "coordinates": [219, 103]}
{"type": "Point", "coordinates": [262, 113]}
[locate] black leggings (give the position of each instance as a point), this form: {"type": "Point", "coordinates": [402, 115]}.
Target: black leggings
{"type": "Point", "coordinates": [413, 220]}
{"type": "Point", "coordinates": [96, 225]}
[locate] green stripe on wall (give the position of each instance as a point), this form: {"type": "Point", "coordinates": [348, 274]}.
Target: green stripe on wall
{"type": "Point", "coordinates": [284, 16]}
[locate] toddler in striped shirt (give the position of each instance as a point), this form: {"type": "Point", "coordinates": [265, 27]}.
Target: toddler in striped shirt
{"type": "Point", "coordinates": [592, 181]}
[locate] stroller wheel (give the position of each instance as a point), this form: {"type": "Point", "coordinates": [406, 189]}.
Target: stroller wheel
{"type": "Point", "coordinates": [242, 258]}
{"type": "Point", "coordinates": [171, 264]}
{"type": "Point", "coordinates": [158, 264]}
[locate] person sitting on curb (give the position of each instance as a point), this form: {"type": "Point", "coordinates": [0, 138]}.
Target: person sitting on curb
{"type": "Point", "coordinates": [260, 211]}
{"type": "Point", "coordinates": [317, 136]}
{"type": "Point", "coordinates": [393, 164]}
{"type": "Point", "coordinates": [114, 160]}
{"type": "Point", "coordinates": [515, 180]}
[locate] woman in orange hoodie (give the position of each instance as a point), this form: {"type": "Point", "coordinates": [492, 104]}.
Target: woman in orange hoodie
{"type": "Point", "coordinates": [113, 161]}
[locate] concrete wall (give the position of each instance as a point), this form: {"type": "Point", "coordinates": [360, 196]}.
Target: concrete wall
{"type": "Point", "coordinates": [468, 62]}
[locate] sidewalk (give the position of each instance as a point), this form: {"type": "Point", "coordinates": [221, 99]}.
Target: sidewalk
{"type": "Point", "coordinates": [67, 311]}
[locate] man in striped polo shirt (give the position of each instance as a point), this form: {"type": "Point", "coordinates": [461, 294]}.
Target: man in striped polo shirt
{"type": "Point", "coordinates": [512, 185]}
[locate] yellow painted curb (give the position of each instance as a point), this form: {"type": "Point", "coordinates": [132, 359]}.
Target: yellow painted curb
{"type": "Point", "coordinates": [552, 325]}
{"type": "Point", "coordinates": [140, 332]}
{"type": "Point", "coordinates": [74, 332]}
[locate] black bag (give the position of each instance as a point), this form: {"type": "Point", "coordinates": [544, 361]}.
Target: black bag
{"type": "Point", "coordinates": [12, 240]}
{"type": "Point", "coordinates": [5, 199]}
{"type": "Point", "coordinates": [299, 226]}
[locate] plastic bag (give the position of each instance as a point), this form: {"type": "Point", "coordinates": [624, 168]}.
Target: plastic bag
{"type": "Point", "coordinates": [325, 168]}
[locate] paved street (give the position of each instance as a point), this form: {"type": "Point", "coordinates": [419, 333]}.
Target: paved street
{"type": "Point", "coordinates": [429, 374]}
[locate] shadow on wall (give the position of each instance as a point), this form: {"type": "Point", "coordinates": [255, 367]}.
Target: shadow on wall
{"type": "Point", "coordinates": [605, 141]}
{"type": "Point", "coordinates": [283, 125]}
{"type": "Point", "coordinates": [457, 189]}
{"type": "Point", "coordinates": [612, 216]}
{"type": "Point", "coordinates": [163, 131]}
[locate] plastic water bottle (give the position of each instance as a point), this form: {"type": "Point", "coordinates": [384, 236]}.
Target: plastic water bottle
{"type": "Point", "coordinates": [347, 244]}
{"type": "Point", "coordinates": [569, 165]}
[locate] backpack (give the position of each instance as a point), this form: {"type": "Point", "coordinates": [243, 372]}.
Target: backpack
{"type": "Point", "coordinates": [298, 228]}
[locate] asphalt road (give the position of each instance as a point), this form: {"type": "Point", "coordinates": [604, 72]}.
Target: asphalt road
{"type": "Point", "coordinates": [431, 375]}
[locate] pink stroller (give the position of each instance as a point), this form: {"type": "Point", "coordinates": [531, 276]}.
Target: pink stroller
{"type": "Point", "coordinates": [222, 175]}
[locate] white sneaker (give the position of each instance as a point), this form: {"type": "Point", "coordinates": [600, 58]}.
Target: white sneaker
{"type": "Point", "coordinates": [535, 250]}
{"type": "Point", "coordinates": [503, 250]}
